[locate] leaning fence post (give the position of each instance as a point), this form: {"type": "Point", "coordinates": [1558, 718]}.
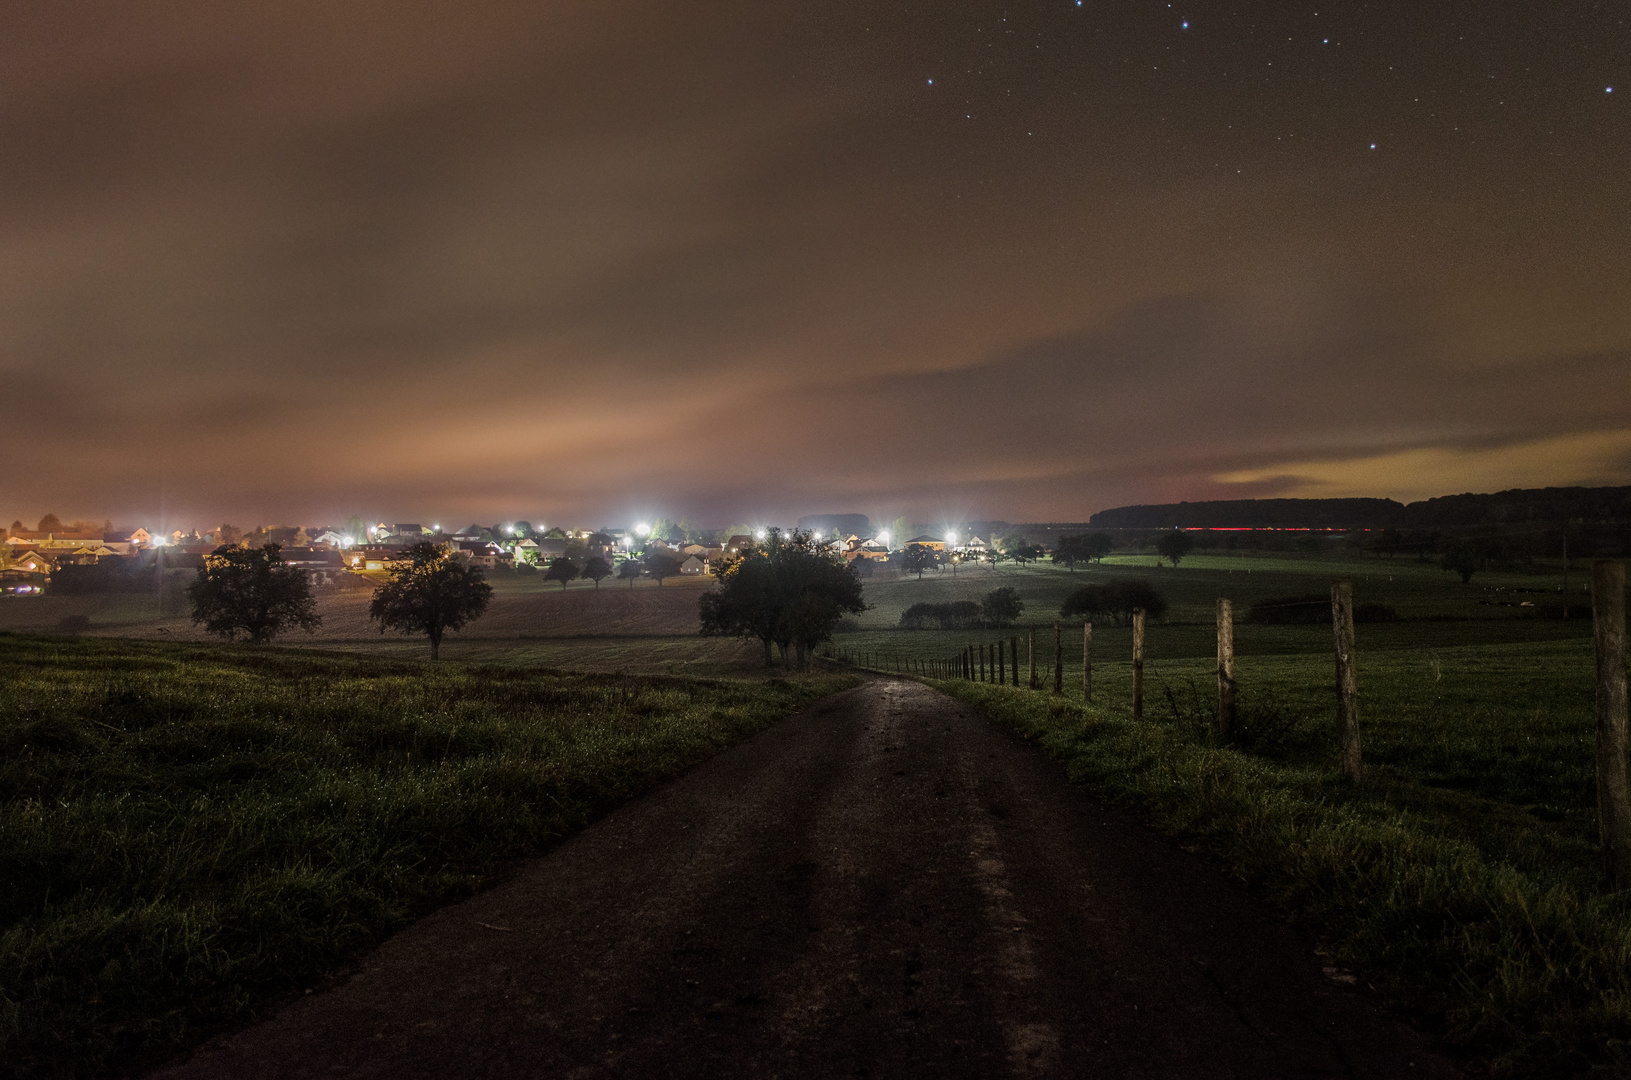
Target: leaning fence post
{"type": "Point", "coordinates": [1013, 654]}
{"type": "Point", "coordinates": [1058, 658]}
{"type": "Point", "coordinates": [1030, 650]}
{"type": "Point", "coordinates": [1613, 793]}
{"type": "Point", "coordinates": [1087, 663]}
{"type": "Point", "coordinates": [1138, 663]}
{"type": "Point", "coordinates": [1342, 623]}
{"type": "Point", "coordinates": [1226, 668]}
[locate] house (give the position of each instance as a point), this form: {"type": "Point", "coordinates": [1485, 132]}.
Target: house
{"type": "Point", "coordinates": [974, 547]}
{"type": "Point", "coordinates": [699, 550]}
{"type": "Point", "coordinates": [321, 566]}
{"type": "Point", "coordinates": [738, 544]}
{"type": "Point", "coordinates": [410, 532]}
{"type": "Point", "coordinates": [933, 543]}
{"type": "Point", "coordinates": [873, 548]}
{"type": "Point", "coordinates": [693, 565]}
{"type": "Point", "coordinates": [34, 562]}
{"type": "Point", "coordinates": [372, 556]}
{"type": "Point", "coordinates": [550, 547]}
{"type": "Point", "coordinates": [53, 541]}
{"type": "Point", "coordinates": [331, 539]}
{"type": "Point", "coordinates": [485, 554]}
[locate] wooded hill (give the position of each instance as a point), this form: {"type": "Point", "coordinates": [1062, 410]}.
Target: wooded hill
{"type": "Point", "coordinates": [1570, 505]}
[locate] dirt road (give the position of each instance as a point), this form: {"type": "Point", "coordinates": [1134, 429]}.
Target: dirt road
{"type": "Point", "coordinates": [885, 885]}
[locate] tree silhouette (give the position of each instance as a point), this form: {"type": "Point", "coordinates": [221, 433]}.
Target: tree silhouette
{"type": "Point", "coordinates": [630, 569]}
{"type": "Point", "coordinates": [785, 591]}
{"type": "Point", "coordinates": [562, 569]}
{"type": "Point", "coordinates": [1001, 606]}
{"type": "Point", "coordinates": [660, 566]}
{"type": "Point", "coordinates": [430, 594]}
{"type": "Point", "coordinates": [1116, 599]}
{"type": "Point", "coordinates": [1071, 550]}
{"type": "Point", "coordinates": [253, 593]}
{"type": "Point", "coordinates": [1174, 545]}
{"type": "Point", "coordinates": [595, 569]}
{"type": "Point", "coordinates": [918, 558]}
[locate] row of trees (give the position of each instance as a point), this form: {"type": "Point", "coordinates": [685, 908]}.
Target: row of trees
{"type": "Point", "coordinates": [253, 594]}
{"type": "Point", "coordinates": [999, 609]}
{"type": "Point", "coordinates": [787, 591]}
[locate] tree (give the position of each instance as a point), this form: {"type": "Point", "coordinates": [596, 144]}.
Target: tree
{"type": "Point", "coordinates": [1174, 545]}
{"type": "Point", "coordinates": [562, 569]}
{"type": "Point", "coordinates": [252, 592]}
{"type": "Point", "coordinates": [1001, 607]}
{"type": "Point", "coordinates": [630, 569]}
{"type": "Point", "coordinates": [430, 593]}
{"type": "Point", "coordinates": [50, 523]}
{"type": "Point", "coordinates": [1464, 559]}
{"type": "Point", "coordinates": [228, 536]}
{"type": "Point", "coordinates": [1116, 599]}
{"type": "Point", "coordinates": [918, 558]}
{"type": "Point", "coordinates": [1098, 545]}
{"type": "Point", "coordinates": [660, 566]}
{"type": "Point", "coordinates": [785, 591]}
{"type": "Point", "coordinates": [1025, 552]}
{"type": "Point", "coordinates": [596, 569]}
{"type": "Point", "coordinates": [1071, 550]}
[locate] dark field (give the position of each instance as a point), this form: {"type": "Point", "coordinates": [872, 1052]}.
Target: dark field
{"type": "Point", "coordinates": [191, 832]}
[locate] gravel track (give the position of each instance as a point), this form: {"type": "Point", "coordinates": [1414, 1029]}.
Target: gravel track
{"type": "Point", "coordinates": [885, 885]}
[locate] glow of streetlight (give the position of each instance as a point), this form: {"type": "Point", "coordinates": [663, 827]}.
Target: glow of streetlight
{"type": "Point", "coordinates": [883, 538]}
{"type": "Point", "coordinates": [643, 529]}
{"type": "Point", "coordinates": [951, 538]}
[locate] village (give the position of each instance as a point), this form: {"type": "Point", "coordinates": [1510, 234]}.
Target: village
{"type": "Point", "coordinates": [31, 559]}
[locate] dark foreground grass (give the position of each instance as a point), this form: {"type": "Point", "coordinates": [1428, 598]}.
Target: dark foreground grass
{"type": "Point", "coordinates": [189, 833]}
{"type": "Point", "coordinates": [1460, 879]}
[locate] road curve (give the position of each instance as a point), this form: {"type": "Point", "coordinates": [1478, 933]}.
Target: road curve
{"type": "Point", "coordinates": [885, 885]}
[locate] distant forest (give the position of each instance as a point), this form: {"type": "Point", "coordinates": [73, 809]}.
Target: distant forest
{"type": "Point", "coordinates": [1519, 506]}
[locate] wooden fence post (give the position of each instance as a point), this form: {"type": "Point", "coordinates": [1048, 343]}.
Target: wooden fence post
{"type": "Point", "coordinates": [1030, 651]}
{"type": "Point", "coordinates": [1058, 658]}
{"type": "Point", "coordinates": [1138, 663]}
{"type": "Point", "coordinates": [1342, 624]}
{"type": "Point", "coordinates": [1613, 792]}
{"type": "Point", "coordinates": [1013, 654]}
{"type": "Point", "coordinates": [1002, 666]}
{"type": "Point", "coordinates": [1087, 663]}
{"type": "Point", "coordinates": [1226, 668]}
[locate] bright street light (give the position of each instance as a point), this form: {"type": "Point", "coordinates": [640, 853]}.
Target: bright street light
{"type": "Point", "coordinates": [643, 529]}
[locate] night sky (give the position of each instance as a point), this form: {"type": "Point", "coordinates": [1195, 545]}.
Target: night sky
{"type": "Point", "coordinates": [587, 262]}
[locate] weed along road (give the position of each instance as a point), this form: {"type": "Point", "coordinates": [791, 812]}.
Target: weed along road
{"type": "Point", "coordinates": [885, 885]}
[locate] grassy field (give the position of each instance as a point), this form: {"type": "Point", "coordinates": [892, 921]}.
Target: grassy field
{"type": "Point", "coordinates": [1460, 880]}
{"type": "Point", "coordinates": [189, 833]}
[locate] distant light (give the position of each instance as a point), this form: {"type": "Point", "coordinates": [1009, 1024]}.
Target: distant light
{"type": "Point", "coordinates": [1609, 90]}
{"type": "Point", "coordinates": [883, 537]}
{"type": "Point", "coordinates": [643, 529]}
{"type": "Point", "coordinates": [931, 82]}
{"type": "Point", "coordinates": [951, 538]}
{"type": "Point", "coordinates": [1373, 146]}
{"type": "Point", "coordinates": [1186, 25]}
{"type": "Point", "coordinates": [761, 534]}
{"type": "Point", "coordinates": [817, 536]}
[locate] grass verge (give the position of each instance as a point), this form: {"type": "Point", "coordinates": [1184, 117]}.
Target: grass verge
{"type": "Point", "coordinates": [1508, 948]}
{"type": "Point", "coordinates": [188, 833]}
